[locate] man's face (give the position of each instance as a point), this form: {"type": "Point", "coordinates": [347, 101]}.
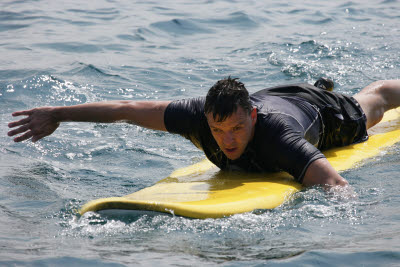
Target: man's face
{"type": "Point", "coordinates": [234, 133]}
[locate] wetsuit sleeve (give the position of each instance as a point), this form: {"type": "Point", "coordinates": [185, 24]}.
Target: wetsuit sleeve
{"type": "Point", "coordinates": [186, 117]}
{"type": "Point", "coordinates": [287, 148]}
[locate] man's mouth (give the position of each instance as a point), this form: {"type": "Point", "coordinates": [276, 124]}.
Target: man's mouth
{"type": "Point", "coordinates": [230, 150]}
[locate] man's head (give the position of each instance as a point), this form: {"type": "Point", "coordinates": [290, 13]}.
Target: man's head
{"type": "Point", "coordinates": [231, 116]}
{"type": "Point", "coordinates": [224, 98]}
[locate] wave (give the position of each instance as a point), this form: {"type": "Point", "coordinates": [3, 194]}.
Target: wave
{"type": "Point", "coordinates": [237, 19]}
{"type": "Point", "coordinates": [83, 69]}
{"type": "Point", "coordinates": [192, 26]}
{"type": "Point", "coordinates": [130, 37]}
{"type": "Point", "coordinates": [180, 27]}
{"type": "Point", "coordinates": [100, 12]}
{"type": "Point", "coordinates": [75, 47]}
{"type": "Point", "coordinates": [10, 27]}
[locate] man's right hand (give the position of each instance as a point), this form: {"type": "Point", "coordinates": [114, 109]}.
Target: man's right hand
{"type": "Point", "coordinates": [40, 122]}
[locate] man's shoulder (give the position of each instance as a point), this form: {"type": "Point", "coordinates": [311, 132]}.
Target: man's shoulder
{"type": "Point", "coordinates": [190, 104]}
{"type": "Point", "coordinates": [272, 122]}
{"type": "Point", "coordinates": [185, 115]}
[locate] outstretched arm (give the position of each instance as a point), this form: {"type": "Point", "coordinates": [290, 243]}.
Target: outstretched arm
{"type": "Point", "coordinates": [321, 172]}
{"type": "Point", "coordinates": [43, 121]}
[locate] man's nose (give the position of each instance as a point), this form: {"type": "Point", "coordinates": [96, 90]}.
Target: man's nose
{"type": "Point", "coordinates": [228, 138]}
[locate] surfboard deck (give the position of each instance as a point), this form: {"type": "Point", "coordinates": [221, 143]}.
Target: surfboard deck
{"type": "Point", "coordinates": [203, 191]}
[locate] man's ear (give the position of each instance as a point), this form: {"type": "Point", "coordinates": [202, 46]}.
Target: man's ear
{"type": "Point", "coordinates": [254, 116]}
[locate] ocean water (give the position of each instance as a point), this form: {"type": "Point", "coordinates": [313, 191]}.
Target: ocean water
{"type": "Point", "coordinates": [71, 52]}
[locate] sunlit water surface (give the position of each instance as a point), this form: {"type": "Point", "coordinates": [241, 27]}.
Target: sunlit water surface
{"type": "Point", "coordinates": [75, 52]}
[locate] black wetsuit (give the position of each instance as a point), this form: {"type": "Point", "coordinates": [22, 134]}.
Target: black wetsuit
{"type": "Point", "coordinates": [294, 123]}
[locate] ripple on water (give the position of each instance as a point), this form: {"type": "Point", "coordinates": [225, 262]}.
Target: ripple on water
{"type": "Point", "coordinates": [75, 47]}
{"type": "Point", "coordinates": [180, 27]}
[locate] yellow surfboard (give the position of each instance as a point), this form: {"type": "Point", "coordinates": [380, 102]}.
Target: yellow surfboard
{"type": "Point", "coordinates": [203, 191]}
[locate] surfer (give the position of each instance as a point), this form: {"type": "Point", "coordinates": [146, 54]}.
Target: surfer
{"type": "Point", "coordinates": [279, 128]}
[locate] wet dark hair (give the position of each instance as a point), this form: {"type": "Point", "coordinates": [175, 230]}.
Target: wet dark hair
{"type": "Point", "coordinates": [224, 98]}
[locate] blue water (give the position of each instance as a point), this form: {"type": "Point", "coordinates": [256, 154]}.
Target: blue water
{"type": "Point", "coordinates": [71, 52]}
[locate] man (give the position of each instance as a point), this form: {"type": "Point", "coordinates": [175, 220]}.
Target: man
{"type": "Point", "coordinates": [280, 128]}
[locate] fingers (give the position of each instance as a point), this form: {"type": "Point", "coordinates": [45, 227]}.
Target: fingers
{"type": "Point", "coordinates": [23, 121]}
{"type": "Point", "coordinates": [18, 123]}
{"type": "Point", "coordinates": [26, 135]}
{"type": "Point", "coordinates": [37, 125]}
{"type": "Point", "coordinates": [23, 137]}
{"type": "Point", "coordinates": [19, 130]}
{"type": "Point", "coordinates": [22, 112]}
{"type": "Point", "coordinates": [24, 128]}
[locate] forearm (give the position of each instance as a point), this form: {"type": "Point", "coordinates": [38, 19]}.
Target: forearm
{"type": "Point", "coordinates": [149, 114]}
{"type": "Point", "coordinates": [321, 172]}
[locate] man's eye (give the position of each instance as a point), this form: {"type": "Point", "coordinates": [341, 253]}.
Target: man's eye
{"type": "Point", "coordinates": [237, 128]}
{"type": "Point", "coordinates": [216, 130]}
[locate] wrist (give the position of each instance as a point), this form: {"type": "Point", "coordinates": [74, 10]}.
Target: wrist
{"type": "Point", "coordinates": [59, 114]}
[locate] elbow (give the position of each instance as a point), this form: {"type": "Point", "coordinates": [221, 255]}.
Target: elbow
{"type": "Point", "coordinates": [126, 110]}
